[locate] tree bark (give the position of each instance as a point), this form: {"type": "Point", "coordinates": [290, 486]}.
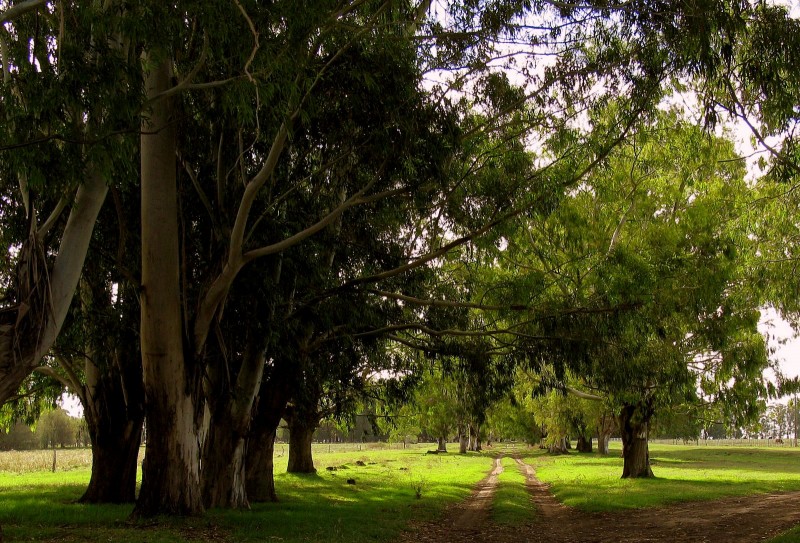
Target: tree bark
{"type": "Point", "coordinates": [463, 441]}
{"type": "Point", "coordinates": [114, 463]}
{"type": "Point", "coordinates": [267, 413]}
{"type": "Point", "coordinates": [442, 444]}
{"type": "Point", "coordinates": [301, 435]}
{"type": "Point", "coordinates": [584, 444]}
{"type": "Point", "coordinates": [602, 442]}
{"type": "Point", "coordinates": [113, 394]}
{"type": "Point", "coordinates": [114, 412]}
{"type": "Point", "coordinates": [633, 424]}
{"type": "Point", "coordinates": [604, 429]}
{"type": "Point", "coordinates": [559, 447]}
{"type": "Point", "coordinates": [259, 464]}
{"type": "Point", "coordinates": [224, 475]}
{"type": "Point", "coordinates": [171, 470]}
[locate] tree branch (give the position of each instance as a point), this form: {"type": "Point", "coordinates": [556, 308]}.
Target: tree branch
{"type": "Point", "coordinates": [20, 8]}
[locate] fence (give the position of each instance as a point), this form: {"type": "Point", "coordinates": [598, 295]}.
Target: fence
{"type": "Point", "coordinates": [788, 442]}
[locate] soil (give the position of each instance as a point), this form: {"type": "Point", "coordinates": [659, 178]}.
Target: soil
{"type": "Point", "coordinates": [731, 520]}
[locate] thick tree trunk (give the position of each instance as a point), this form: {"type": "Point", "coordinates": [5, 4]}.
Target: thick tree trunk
{"type": "Point", "coordinates": [442, 444]}
{"type": "Point", "coordinates": [559, 447]}
{"type": "Point", "coordinates": [604, 429]}
{"type": "Point", "coordinates": [224, 466]}
{"type": "Point", "coordinates": [301, 435]}
{"type": "Point", "coordinates": [171, 470]}
{"type": "Point", "coordinates": [259, 465]}
{"type": "Point", "coordinates": [114, 417]}
{"type": "Point", "coordinates": [463, 441]}
{"type": "Point", "coordinates": [268, 409]}
{"type": "Point", "coordinates": [113, 396]}
{"type": "Point", "coordinates": [584, 444]}
{"type": "Point", "coordinates": [224, 476]}
{"type": "Point", "coordinates": [267, 415]}
{"type": "Point", "coordinates": [114, 463]}
{"type": "Point", "coordinates": [473, 438]}
{"type": "Point", "coordinates": [635, 451]}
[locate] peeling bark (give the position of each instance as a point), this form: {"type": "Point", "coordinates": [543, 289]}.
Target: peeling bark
{"type": "Point", "coordinates": [224, 475]}
{"type": "Point", "coordinates": [171, 470]}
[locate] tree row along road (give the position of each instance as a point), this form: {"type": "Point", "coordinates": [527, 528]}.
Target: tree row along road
{"type": "Point", "coordinates": [731, 520]}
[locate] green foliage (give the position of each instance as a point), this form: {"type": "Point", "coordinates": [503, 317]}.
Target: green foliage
{"type": "Point", "coordinates": [57, 429]}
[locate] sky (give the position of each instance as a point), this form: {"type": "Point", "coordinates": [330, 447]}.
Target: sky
{"type": "Point", "coordinates": [785, 341]}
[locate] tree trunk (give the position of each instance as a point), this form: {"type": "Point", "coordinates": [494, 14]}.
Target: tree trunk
{"type": "Point", "coordinates": [115, 427]}
{"type": "Point", "coordinates": [171, 470]}
{"type": "Point", "coordinates": [267, 413]}
{"type": "Point", "coordinates": [463, 441]}
{"type": "Point", "coordinates": [223, 477]}
{"type": "Point", "coordinates": [114, 464]}
{"type": "Point", "coordinates": [442, 445]}
{"type": "Point", "coordinates": [633, 426]}
{"type": "Point", "coordinates": [473, 438]}
{"type": "Point", "coordinates": [113, 396]}
{"type": "Point", "coordinates": [301, 434]}
{"type": "Point", "coordinates": [584, 444]}
{"type": "Point", "coordinates": [559, 447]}
{"type": "Point", "coordinates": [259, 465]}
{"type": "Point", "coordinates": [602, 442]}
{"type": "Point", "coordinates": [231, 407]}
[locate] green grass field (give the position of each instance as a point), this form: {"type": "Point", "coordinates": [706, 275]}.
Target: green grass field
{"type": "Point", "coordinates": [393, 487]}
{"type": "Point", "coordinates": [683, 473]}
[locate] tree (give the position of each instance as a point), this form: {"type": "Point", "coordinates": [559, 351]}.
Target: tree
{"type": "Point", "coordinates": [624, 248]}
{"type": "Point", "coordinates": [50, 171]}
{"type": "Point", "coordinates": [54, 429]}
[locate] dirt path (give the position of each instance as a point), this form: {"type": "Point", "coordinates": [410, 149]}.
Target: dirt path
{"type": "Point", "coordinates": [731, 520]}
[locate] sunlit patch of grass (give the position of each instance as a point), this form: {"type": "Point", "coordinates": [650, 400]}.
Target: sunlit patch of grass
{"type": "Point", "coordinates": [41, 506]}
{"type": "Point", "coordinates": [323, 506]}
{"type": "Point", "coordinates": [683, 473]}
{"type": "Point", "coordinates": [792, 536]}
{"type": "Point", "coordinates": [512, 504]}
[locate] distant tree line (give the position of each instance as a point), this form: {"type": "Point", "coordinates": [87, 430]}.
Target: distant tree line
{"type": "Point", "coordinates": [54, 429]}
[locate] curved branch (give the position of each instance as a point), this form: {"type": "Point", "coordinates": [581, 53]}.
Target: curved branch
{"type": "Point", "coordinates": [21, 8]}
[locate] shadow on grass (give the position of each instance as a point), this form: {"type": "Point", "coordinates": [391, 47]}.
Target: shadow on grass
{"type": "Point", "coordinates": [313, 507]}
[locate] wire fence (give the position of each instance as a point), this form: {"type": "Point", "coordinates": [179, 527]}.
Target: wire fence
{"type": "Point", "coordinates": [743, 442]}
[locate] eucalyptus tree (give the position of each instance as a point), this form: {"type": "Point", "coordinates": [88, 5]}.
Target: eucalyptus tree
{"type": "Point", "coordinates": [97, 359]}
{"type": "Point", "coordinates": [655, 233]}
{"type": "Point", "coordinates": [69, 95]}
{"type": "Point", "coordinates": [237, 158]}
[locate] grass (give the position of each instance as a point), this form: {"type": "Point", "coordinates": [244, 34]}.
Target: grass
{"type": "Point", "coordinates": [392, 488]}
{"type": "Point", "coordinates": [592, 482]}
{"type": "Point", "coordinates": [792, 536]}
{"type": "Point", "coordinates": [40, 506]}
{"type": "Point", "coordinates": [512, 503]}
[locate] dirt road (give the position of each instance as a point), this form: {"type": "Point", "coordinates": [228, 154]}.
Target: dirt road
{"type": "Point", "coordinates": [731, 520]}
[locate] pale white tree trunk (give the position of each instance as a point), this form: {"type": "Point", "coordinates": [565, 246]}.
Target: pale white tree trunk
{"type": "Point", "coordinates": [171, 470]}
